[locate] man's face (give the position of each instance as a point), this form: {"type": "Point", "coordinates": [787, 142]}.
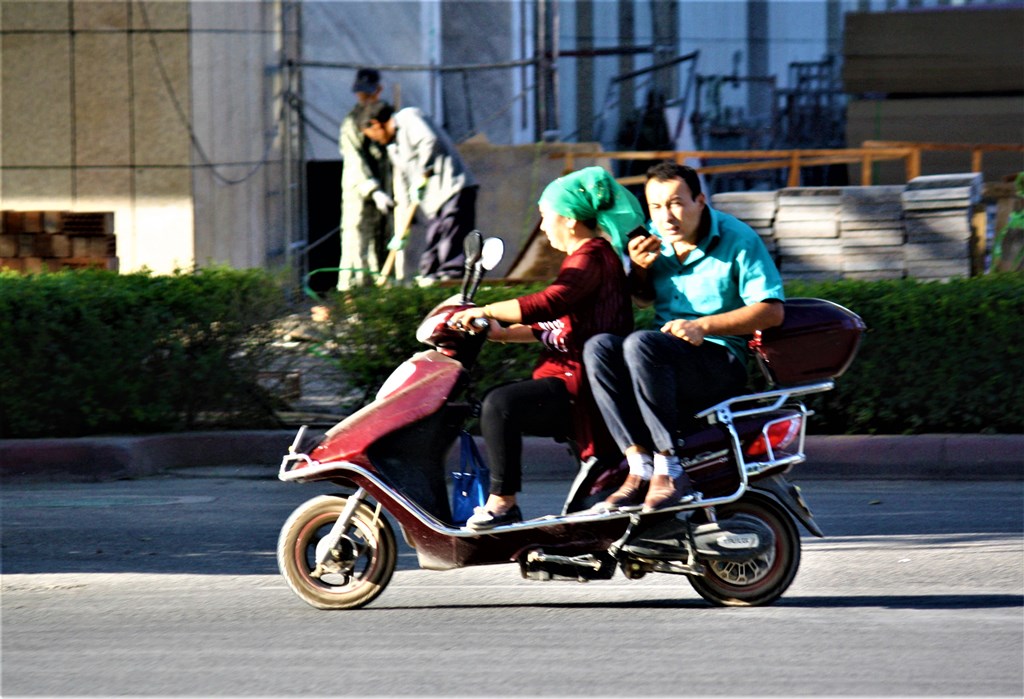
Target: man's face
{"type": "Point", "coordinates": [674, 211]}
{"type": "Point", "coordinates": [381, 133]}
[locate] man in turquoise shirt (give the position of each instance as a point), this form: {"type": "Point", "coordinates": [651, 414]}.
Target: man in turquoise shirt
{"type": "Point", "coordinates": [711, 281]}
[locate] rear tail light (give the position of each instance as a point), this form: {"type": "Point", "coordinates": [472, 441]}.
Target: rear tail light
{"type": "Point", "coordinates": [775, 436]}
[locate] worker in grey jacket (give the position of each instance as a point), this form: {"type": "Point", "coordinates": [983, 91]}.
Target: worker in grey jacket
{"type": "Point", "coordinates": [366, 202]}
{"type": "Point", "coordinates": [429, 173]}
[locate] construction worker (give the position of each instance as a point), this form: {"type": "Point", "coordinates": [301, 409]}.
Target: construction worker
{"type": "Point", "coordinates": [430, 175]}
{"type": "Point", "coordinates": [366, 201]}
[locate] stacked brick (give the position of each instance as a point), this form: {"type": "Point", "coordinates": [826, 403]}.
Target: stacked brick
{"type": "Point", "coordinates": [938, 211]}
{"type": "Point", "coordinates": [871, 232]}
{"type": "Point", "coordinates": [49, 241]}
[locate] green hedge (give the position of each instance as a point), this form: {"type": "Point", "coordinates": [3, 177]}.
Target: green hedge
{"type": "Point", "coordinates": [94, 352]}
{"type": "Point", "coordinates": [937, 357]}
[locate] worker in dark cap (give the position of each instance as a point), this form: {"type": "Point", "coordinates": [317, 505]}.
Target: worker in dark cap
{"type": "Point", "coordinates": [366, 201]}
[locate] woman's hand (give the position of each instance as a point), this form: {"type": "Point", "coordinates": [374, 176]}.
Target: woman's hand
{"type": "Point", "coordinates": [466, 315]}
{"type": "Point", "coordinates": [462, 320]}
{"type": "Point", "coordinates": [470, 319]}
{"type": "Point", "coordinates": [507, 312]}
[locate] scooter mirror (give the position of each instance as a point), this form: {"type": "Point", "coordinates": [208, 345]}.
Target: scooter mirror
{"type": "Point", "coordinates": [494, 250]}
{"type": "Point", "coordinates": [471, 247]}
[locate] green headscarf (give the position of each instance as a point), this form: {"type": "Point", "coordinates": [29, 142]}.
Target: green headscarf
{"type": "Point", "coordinates": [592, 194]}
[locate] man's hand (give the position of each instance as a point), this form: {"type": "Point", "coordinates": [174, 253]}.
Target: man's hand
{"type": "Point", "coordinates": [382, 201]}
{"type": "Point", "coordinates": [644, 250]}
{"type": "Point", "coordinates": [397, 242]}
{"type": "Point", "coordinates": [420, 190]}
{"type": "Point", "coordinates": [687, 330]}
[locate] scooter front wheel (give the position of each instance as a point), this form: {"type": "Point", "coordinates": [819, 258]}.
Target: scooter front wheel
{"type": "Point", "coordinates": [362, 564]}
{"type": "Point", "coordinates": [760, 580]}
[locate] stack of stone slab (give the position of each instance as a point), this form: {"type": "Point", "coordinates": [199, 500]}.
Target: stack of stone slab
{"type": "Point", "coordinates": [921, 230]}
{"type": "Point", "coordinates": [871, 232]}
{"type": "Point", "coordinates": [937, 210]}
{"type": "Point", "coordinates": [756, 209]}
{"type": "Point", "coordinates": [807, 233]}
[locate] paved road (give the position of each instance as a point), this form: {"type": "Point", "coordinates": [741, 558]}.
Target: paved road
{"type": "Point", "coordinates": [168, 586]}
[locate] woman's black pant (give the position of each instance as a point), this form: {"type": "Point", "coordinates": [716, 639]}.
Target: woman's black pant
{"type": "Point", "coordinates": [538, 407]}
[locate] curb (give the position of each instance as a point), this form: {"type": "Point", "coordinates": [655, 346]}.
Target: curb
{"type": "Point", "coordinates": [90, 459]}
{"type": "Point", "coordinates": [855, 457]}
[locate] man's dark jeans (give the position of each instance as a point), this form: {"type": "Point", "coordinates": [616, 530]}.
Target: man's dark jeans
{"type": "Point", "coordinates": [442, 255]}
{"type": "Point", "coordinates": [647, 382]}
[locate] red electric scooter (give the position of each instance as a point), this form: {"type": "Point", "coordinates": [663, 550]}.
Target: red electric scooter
{"type": "Point", "coordinates": [738, 543]}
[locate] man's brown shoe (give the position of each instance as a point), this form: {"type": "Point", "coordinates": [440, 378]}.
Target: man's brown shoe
{"type": "Point", "coordinates": [666, 492]}
{"type": "Point", "coordinates": [630, 495]}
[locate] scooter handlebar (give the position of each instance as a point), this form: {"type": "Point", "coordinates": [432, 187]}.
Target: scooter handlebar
{"type": "Point", "coordinates": [475, 326]}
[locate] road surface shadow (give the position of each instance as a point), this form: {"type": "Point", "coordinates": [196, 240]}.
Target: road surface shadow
{"type": "Point", "coordinates": [955, 601]}
{"type": "Point", "coordinates": [871, 601]}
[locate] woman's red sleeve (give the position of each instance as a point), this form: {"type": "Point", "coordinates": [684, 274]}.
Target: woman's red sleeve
{"type": "Point", "coordinates": [579, 276]}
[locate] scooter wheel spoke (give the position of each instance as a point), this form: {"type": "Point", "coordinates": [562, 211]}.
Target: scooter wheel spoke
{"type": "Point", "coordinates": [760, 580]}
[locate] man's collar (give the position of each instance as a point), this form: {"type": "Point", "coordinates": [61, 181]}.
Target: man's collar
{"type": "Point", "coordinates": [704, 228]}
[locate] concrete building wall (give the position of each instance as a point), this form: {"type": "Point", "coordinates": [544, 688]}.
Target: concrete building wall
{"type": "Point", "coordinates": [241, 194]}
{"type": "Point", "coordinates": [150, 110]}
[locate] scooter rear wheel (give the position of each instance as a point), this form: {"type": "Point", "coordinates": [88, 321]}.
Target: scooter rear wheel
{"type": "Point", "coordinates": [763, 579]}
{"type": "Point", "coordinates": [367, 554]}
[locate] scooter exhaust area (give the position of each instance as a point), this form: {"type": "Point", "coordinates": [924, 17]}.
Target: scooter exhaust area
{"type": "Point", "coordinates": [538, 565]}
{"type": "Point", "coordinates": [675, 545]}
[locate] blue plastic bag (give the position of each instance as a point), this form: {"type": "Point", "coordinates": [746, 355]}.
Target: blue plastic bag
{"type": "Point", "coordinates": [470, 483]}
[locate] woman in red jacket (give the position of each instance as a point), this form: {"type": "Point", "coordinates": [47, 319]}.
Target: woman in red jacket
{"type": "Point", "coordinates": [589, 296]}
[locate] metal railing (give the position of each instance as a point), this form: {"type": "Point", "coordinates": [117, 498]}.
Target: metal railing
{"type": "Point", "coordinates": [794, 160]}
{"type": "Point", "coordinates": [977, 151]}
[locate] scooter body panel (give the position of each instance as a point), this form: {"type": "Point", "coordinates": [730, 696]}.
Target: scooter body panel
{"type": "Point", "coordinates": [422, 386]}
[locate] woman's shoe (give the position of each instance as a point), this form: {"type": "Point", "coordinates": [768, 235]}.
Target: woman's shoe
{"type": "Point", "coordinates": [482, 518]}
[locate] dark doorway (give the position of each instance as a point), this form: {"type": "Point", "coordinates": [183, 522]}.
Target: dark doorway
{"type": "Point", "coordinates": [323, 208]}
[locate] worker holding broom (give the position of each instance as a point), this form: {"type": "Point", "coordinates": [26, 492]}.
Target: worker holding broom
{"type": "Point", "coordinates": [429, 178]}
{"type": "Point", "coordinates": [365, 185]}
